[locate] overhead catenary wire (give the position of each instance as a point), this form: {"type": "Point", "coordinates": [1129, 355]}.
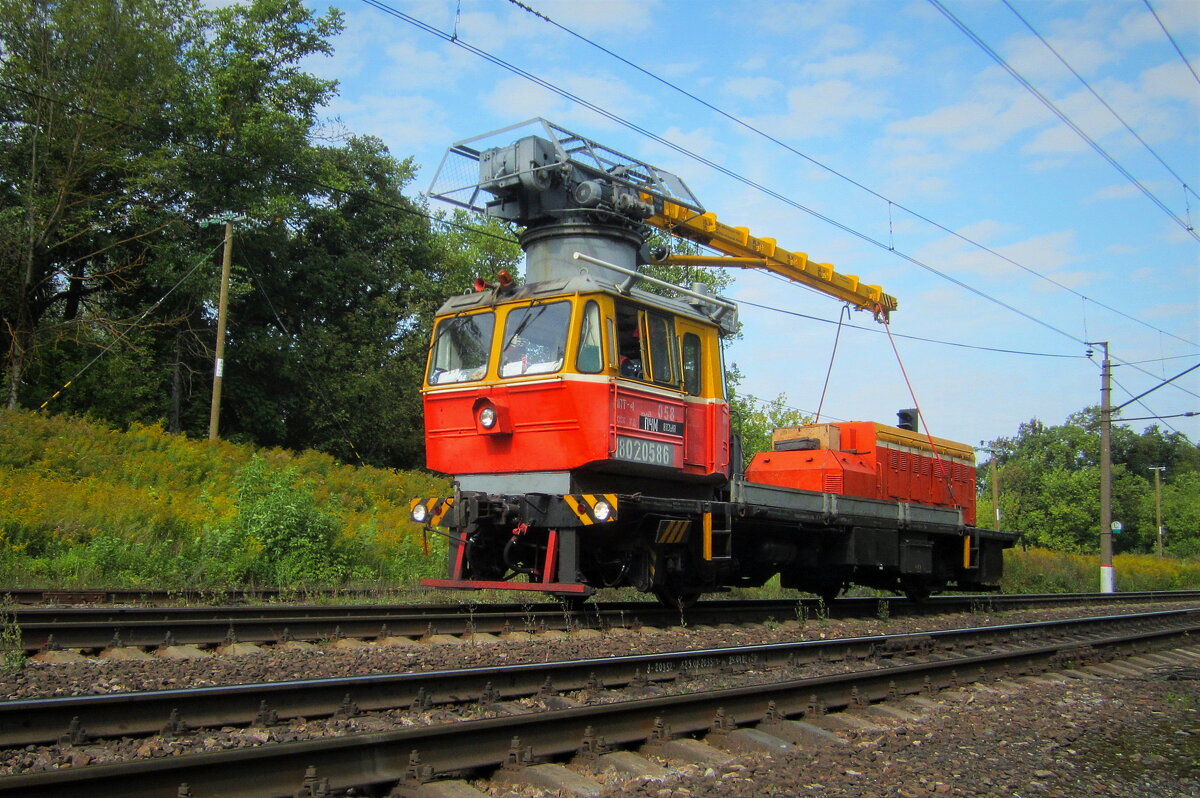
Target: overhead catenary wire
{"type": "Point", "coordinates": [1066, 120]}
{"type": "Point", "coordinates": [1171, 39]}
{"type": "Point", "coordinates": [1102, 101]}
{"type": "Point", "coordinates": [614, 117]}
{"type": "Point", "coordinates": [1189, 414]}
{"type": "Point", "coordinates": [433, 219]}
{"type": "Point", "coordinates": [1160, 385]}
{"type": "Point", "coordinates": [1142, 404]}
{"type": "Point", "coordinates": [449, 223]}
{"type": "Point", "coordinates": [875, 331]}
{"type": "Point", "coordinates": [872, 192]}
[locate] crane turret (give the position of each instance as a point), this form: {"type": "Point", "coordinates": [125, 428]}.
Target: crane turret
{"type": "Point", "coordinates": [572, 194]}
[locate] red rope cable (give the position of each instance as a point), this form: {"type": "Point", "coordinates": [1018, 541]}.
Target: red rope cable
{"type": "Point", "coordinates": [920, 414]}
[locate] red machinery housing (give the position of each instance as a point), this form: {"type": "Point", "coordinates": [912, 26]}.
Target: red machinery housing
{"type": "Point", "coordinates": [872, 461]}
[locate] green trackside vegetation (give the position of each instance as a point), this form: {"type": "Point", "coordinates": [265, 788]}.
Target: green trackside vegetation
{"type": "Point", "coordinates": [1036, 570]}
{"type": "Point", "coordinates": [86, 505]}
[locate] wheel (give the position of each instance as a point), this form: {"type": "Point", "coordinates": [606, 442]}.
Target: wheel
{"type": "Point", "coordinates": [916, 591]}
{"type": "Point", "coordinates": [675, 599]}
{"type": "Point", "coordinates": [828, 591]}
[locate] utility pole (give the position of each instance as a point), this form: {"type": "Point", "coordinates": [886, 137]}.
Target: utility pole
{"type": "Point", "coordinates": [1158, 505]}
{"type": "Point", "coordinates": [229, 218]}
{"type": "Point", "coordinates": [214, 415]}
{"type": "Point", "coordinates": [1107, 578]}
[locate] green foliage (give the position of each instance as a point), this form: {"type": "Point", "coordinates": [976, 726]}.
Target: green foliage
{"type": "Point", "coordinates": [754, 420]}
{"type": "Point", "coordinates": [1049, 480]}
{"type": "Point", "coordinates": [280, 535]}
{"type": "Point", "coordinates": [83, 162]}
{"type": "Point", "coordinates": [84, 505]}
{"type": "Point", "coordinates": [1039, 570]}
{"type": "Point", "coordinates": [149, 117]}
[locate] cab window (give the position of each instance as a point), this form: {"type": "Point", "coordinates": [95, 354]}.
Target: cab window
{"type": "Point", "coordinates": [461, 346]}
{"type": "Point", "coordinates": [535, 339]}
{"type": "Point", "coordinates": [661, 348]}
{"type": "Point", "coordinates": [589, 359]}
{"type": "Point", "coordinates": [691, 363]}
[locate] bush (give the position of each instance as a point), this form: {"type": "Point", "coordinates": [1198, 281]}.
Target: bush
{"type": "Point", "coordinates": [1037, 570]}
{"type": "Point", "coordinates": [83, 505]}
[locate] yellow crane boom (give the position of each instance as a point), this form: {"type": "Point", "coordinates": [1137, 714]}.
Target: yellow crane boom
{"type": "Point", "coordinates": [744, 250]}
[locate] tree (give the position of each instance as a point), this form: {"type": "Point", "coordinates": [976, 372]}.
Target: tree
{"type": "Point", "coordinates": [1181, 513]}
{"type": "Point", "coordinates": [754, 420]}
{"type": "Point", "coordinates": [333, 358]}
{"type": "Point", "coordinates": [129, 125]}
{"type": "Point", "coordinates": [83, 162]}
{"type": "Point", "coordinates": [1050, 482]}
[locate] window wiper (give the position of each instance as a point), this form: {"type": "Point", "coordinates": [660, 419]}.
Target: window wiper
{"type": "Point", "coordinates": [525, 322]}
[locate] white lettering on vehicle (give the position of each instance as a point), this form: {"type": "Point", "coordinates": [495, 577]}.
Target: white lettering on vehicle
{"type": "Point", "coordinates": [643, 451]}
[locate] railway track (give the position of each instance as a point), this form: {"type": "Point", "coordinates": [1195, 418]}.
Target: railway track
{"type": "Point", "coordinates": [93, 629]}
{"type": "Point", "coordinates": [588, 709]}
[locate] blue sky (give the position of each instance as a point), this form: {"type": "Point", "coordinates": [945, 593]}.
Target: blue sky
{"type": "Point", "coordinates": [892, 96]}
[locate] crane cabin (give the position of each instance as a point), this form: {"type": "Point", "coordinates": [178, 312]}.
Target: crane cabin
{"type": "Point", "coordinates": [573, 385]}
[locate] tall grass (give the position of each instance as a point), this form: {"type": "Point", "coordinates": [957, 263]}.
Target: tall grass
{"type": "Point", "coordinates": [85, 505]}
{"type": "Point", "coordinates": [82, 504]}
{"type": "Point", "coordinates": [1044, 571]}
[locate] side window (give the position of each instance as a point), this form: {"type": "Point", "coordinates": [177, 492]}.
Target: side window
{"type": "Point", "coordinates": [590, 357]}
{"type": "Point", "coordinates": [691, 363]}
{"type": "Point", "coordinates": [629, 342]}
{"type": "Point", "coordinates": [661, 348]}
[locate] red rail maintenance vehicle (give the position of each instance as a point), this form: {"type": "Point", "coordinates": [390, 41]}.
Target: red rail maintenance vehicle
{"type": "Point", "coordinates": [584, 417]}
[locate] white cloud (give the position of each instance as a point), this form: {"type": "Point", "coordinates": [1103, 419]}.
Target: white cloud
{"type": "Point", "coordinates": [609, 16]}
{"type": "Point", "coordinates": [1033, 60]}
{"type": "Point", "coordinates": [1117, 191]}
{"type": "Point", "coordinates": [983, 123]}
{"type": "Point", "coordinates": [415, 69]}
{"type": "Point", "coordinates": [752, 88]}
{"type": "Point", "coordinates": [823, 108]}
{"type": "Point", "coordinates": [863, 65]}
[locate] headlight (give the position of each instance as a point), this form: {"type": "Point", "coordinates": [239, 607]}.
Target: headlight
{"type": "Point", "coordinates": [602, 511]}
{"type": "Point", "coordinates": [420, 513]}
{"type": "Point", "coordinates": [487, 417]}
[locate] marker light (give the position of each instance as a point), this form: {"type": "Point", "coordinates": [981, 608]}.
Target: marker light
{"type": "Point", "coordinates": [420, 513]}
{"type": "Point", "coordinates": [602, 511]}
{"type": "Point", "coordinates": [487, 417]}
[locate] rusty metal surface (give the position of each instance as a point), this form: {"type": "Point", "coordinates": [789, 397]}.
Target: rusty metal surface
{"type": "Point", "coordinates": [93, 628]}
{"type": "Point", "coordinates": [131, 714]}
{"type": "Point", "coordinates": [382, 759]}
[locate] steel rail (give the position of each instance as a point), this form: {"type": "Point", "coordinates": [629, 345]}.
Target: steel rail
{"type": "Point", "coordinates": [378, 760]}
{"type": "Point", "coordinates": [45, 721]}
{"type": "Point", "coordinates": [95, 628]}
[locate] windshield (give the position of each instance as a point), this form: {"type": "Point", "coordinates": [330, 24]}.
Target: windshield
{"type": "Point", "coordinates": [535, 339]}
{"type": "Point", "coordinates": [461, 347]}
